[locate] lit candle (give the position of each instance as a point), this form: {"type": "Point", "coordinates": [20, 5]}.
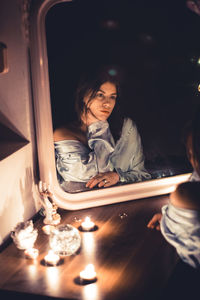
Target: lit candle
{"type": "Point", "coordinates": [52, 258]}
{"type": "Point", "coordinates": [47, 229]}
{"type": "Point", "coordinates": [88, 273]}
{"type": "Point", "coordinates": [87, 224]}
{"type": "Point", "coordinates": [31, 253]}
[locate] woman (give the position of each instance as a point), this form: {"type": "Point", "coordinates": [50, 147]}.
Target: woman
{"type": "Point", "coordinates": [101, 148]}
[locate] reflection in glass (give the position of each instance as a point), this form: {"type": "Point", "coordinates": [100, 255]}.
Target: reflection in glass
{"type": "Point", "coordinates": [93, 149]}
{"type": "Point", "coordinates": [150, 50]}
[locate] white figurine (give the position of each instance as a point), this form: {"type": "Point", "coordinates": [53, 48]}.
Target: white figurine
{"type": "Point", "coordinates": [50, 208]}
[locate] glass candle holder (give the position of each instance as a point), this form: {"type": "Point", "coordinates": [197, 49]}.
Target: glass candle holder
{"type": "Point", "coordinates": [65, 240]}
{"type": "Point", "coordinates": [24, 235]}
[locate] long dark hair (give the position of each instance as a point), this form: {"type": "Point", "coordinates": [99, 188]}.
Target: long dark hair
{"type": "Point", "coordinates": [192, 129]}
{"type": "Point", "coordinates": [196, 140]}
{"type": "Point", "coordinates": [91, 82]}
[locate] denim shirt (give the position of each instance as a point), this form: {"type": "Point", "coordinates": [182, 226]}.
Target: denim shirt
{"type": "Point", "coordinates": [181, 228]}
{"type": "Point", "coordinates": [194, 176]}
{"type": "Point", "coordinates": [78, 163]}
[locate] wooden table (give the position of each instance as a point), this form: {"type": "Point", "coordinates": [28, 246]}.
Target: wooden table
{"type": "Point", "coordinates": [131, 261]}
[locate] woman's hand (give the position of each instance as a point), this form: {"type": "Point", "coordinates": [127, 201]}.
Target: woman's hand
{"type": "Point", "coordinates": [103, 180]}
{"type": "Point", "coordinates": [155, 221]}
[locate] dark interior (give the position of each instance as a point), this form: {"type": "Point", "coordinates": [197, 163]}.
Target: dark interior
{"type": "Point", "coordinates": [153, 46]}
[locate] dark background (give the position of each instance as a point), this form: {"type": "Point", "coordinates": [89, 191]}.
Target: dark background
{"type": "Point", "coordinates": [154, 47]}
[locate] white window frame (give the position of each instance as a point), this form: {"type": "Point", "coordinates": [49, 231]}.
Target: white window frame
{"type": "Point", "coordinates": [44, 132]}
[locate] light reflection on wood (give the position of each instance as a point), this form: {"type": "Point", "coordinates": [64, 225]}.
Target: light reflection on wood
{"type": "Point", "coordinates": [127, 256]}
{"type": "Point", "coordinates": [53, 279]}
{"type": "Point", "coordinates": [88, 245]}
{"type": "Point", "coordinates": [90, 292]}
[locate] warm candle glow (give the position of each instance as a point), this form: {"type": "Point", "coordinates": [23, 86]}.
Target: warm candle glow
{"type": "Point", "coordinates": [88, 244]}
{"type": "Point", "coordinates": [47, 229]}
{"type": "Point", "coordinates": [53, 280]}
{"type": "Point", "coordinates": [31, 253]}
{"type": "Point", "coordinates": [87, 224]}
{"type": "Point", "coordinates": [52, 258]}
{"type": "Point", "coordinates": [90, 292]}
{"type": "Point", "coordinates": [88, 273]}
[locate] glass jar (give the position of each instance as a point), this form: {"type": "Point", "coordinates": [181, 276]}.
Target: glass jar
{"type": "Point", "coordinates": [65, 240]}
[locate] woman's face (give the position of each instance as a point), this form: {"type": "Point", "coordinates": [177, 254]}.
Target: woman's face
{"type": "Point", "coordinates": [101, 106]}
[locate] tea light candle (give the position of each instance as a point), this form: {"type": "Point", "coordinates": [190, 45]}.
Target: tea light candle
{"type": "Point", "coordinates": [88, 273]}
{"type": "Point", "coordinates": [52, 258]}
{"type": "Point", "coordinates": [31, 253]}
{"type": "Point", "coordinates": [87, 224]}
{"type": "Point", "coordinates": [47, 229]}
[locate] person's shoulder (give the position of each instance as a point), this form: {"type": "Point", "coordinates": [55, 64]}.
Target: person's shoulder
{"type": "Point", "coordinates": [63, 133]}
{"type": "Point", "coordinates": [129, 129]}
{"type": "Point", "coordinates": [128, 123]}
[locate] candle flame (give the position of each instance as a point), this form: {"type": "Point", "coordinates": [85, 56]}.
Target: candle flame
{"type": "Point", "coordinates": [89, 268]}
{"type": "Point", "coordinates": [88, 273]}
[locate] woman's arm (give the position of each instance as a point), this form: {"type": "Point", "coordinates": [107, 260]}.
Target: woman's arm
{"type": "Point", "coordinates": [155, 221]}
{"type": "Point", "coordinates": [126, 161]}
{"type": "Point", "coordinates": [100, 141]}
{"type": "Point", "coordinates": [76, 162]}
{"type": "Point", "coordinates": [128, 158]}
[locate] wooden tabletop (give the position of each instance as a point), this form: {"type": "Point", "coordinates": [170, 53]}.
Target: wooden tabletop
{"type": "Point", "coordinates": [131, 261]}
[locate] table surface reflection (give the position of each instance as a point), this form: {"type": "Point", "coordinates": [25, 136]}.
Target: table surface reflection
{"type": "Point", "coordinates": [131, 261]}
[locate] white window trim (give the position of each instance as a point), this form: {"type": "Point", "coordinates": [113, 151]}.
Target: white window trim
{"type": "Point", "coordinates": [44, 132]}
